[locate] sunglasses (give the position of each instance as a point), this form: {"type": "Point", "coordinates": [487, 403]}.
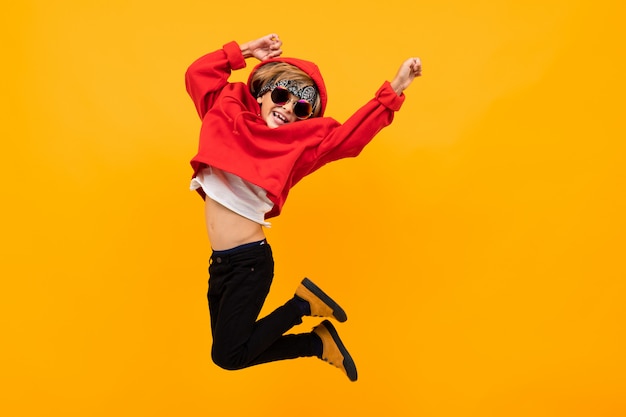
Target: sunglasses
{"type": "Point", "coordinates": [302, 108]}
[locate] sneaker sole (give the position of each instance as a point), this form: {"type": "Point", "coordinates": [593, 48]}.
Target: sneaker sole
{"type": "Point", "coordinates": [348, 362]}
{"type": "Point", "coordinates": [338, 312]}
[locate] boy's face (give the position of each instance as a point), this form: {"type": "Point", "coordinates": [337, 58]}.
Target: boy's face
{"type": "Point", "coordinates": [276, 115]}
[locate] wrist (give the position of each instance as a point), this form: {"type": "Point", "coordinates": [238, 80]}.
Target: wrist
{"type": "Point", "coordinates": [397, 86]}
{"type": "Point", "coordinates": [245, 50]}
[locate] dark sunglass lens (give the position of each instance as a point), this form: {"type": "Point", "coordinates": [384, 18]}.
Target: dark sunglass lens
{"type": "Point", "coordinates": [280, 95]}
{"type": "Point", "coordinates": [302, 109]}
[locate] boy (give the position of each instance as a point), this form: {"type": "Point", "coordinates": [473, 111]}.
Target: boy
{"type": "Point", "coordinates": [256, 142]}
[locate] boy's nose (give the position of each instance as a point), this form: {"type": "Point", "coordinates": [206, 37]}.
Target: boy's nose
{"type": "Point", "coordinates": [289, 105]}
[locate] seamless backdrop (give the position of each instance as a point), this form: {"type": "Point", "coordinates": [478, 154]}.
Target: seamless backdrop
{"type": "Point", "coordinates": [477, 244]}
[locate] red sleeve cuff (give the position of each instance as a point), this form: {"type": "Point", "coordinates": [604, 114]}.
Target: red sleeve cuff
{"type": "Point", "coordinates": [388, 97]}
{"type": "Point", "coordinates": [234, 55]}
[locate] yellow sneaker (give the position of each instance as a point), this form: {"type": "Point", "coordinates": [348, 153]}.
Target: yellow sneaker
{"type": "Point", "coordinates": [334, 352]}
{"type": "Point", "coordinates": [321, 304]}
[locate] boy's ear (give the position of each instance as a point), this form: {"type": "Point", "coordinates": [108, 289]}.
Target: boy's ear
{"type": "Point", "coordinates": [259, 100]}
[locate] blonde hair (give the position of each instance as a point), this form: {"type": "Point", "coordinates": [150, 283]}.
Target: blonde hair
{"type": "Point", "coordinates": [277, 71]}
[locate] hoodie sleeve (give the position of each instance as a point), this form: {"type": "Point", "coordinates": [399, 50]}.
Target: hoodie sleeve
{"type": "Point", "coordinates": [208, 75]}
{"type": "Point", "coordinates": [349, 139]}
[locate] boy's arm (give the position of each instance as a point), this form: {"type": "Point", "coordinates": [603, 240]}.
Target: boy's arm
{"type": "Point", "coordinates": [352, 136]}
{"type": "Point", "coordinates": [348, 139]}
{"type": "Point", "coordinates": [208, 75]}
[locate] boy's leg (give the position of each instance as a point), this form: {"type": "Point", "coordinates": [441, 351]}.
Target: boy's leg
{"type": "Point", "coordinates": [309, 300]}
{"type": "Point", "coordinates": [323, 342]}
{"type": "Point", "coordinates": [238, 286]}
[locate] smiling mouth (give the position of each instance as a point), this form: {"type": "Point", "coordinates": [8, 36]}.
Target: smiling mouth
{"type": "Point", "coordinates": [280, 117]}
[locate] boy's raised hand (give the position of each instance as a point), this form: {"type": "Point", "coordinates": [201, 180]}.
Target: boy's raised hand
{"type": "Point", "coordinates": [263, 48]}
{"type": "Point", "coordinates": [409, 69]}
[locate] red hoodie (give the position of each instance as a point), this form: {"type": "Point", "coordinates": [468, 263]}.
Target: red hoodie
{"type": "Point", "coordinates": [236, 139]}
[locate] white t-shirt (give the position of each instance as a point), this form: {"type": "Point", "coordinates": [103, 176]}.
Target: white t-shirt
{"type": "Point", "coordinates": [236, 194]}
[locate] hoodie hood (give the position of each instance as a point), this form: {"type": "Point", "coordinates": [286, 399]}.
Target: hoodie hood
{"type": "Point", "coordinates": [309, 68]}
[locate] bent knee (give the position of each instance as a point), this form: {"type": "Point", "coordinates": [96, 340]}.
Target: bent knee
{"type": "Point", "coordinates": [226, 360]}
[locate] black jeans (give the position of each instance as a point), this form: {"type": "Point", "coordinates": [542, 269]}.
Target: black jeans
{"type": "Point", "coordinates": [239, 282]}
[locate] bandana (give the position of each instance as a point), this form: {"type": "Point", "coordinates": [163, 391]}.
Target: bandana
{"type": "Point", "coordinates": [308, 93]}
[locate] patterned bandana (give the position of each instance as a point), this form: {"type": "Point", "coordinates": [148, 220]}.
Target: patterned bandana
{"type": "Point", "coordinates": [308, 93]}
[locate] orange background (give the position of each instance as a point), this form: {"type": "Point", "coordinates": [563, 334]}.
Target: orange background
{"type": "Point", "coordinates": [477, 244]}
